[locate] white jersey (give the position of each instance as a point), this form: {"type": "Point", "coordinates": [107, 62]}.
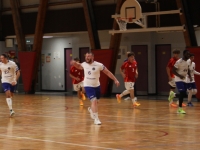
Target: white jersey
{"type": "Point", "coordinates": [92, 73]}
{"type": "Point", "coordinates": [192, 71]}
{"type": "Point", "coordinates": [8, 72]}
{"type": "Point", "coordinates": [182, 69]}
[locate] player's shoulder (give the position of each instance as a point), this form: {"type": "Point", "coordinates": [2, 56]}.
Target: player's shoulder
{"type": "Point", "coordinates": [97, 63]}
{"type": "Point", "coordinates": [11, 62]}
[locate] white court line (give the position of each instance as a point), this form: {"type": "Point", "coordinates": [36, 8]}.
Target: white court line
{"type": "Point", "coordinates": [50, 141]}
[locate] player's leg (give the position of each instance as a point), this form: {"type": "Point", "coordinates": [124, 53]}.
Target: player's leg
{"type": "Point", "coordinates": [192, 91]}
{"type": "Point", "coordinates": [96, 116]}
{"type": "Point", "coordinates": [130, 86]}
{"type": "Point", "coordinates": [182, 87]}
{"type": "Point", "coordinates": [77, 89]}
{"type": "Point", "coordinates": [125, 92]}
{"type": "Point", "coordinates": [90, 94]}
{"type": "Point", "coordinates": [82, 91]}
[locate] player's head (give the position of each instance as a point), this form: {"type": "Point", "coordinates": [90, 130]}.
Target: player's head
{"type": "Point", "coordinates": [131, 57]}
{"type": "Point", "coordinates": [186, 54]}
{"type": "Point", "coordinates": [127, 53]}
{"type": "Point", "coordinates": [191, 57]}
{"type": "Point", "coordinates": [76, 59]}
{"type": "Point", "coordinates": [4, 58]}
{"type": "Point", "coordinates": [176, 53]}
{"type": "Point", "coordinates": [89, 57]}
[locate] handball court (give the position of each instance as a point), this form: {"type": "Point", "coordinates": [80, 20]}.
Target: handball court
{"type": "Point", "coordinates": [56, 121]}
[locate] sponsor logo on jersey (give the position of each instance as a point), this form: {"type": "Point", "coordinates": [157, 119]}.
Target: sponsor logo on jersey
{"type": "Point", "coordinates": [93, 68]}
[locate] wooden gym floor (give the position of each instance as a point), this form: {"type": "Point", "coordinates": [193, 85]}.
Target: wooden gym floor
{"type": "Point", "coordinates": [57, 122]}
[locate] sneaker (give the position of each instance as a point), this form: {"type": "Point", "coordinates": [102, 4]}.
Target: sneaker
{"type": "Point", "coordinates": [97, 122]}
{"type": "Point", "coordinates": [83, 97]}
{"type": "Point", "coordinates": [126, 99]}
{"type": "Point", "coordinates": [136, 104]}
{"type": "Point", "coordinates": [12, 113]}
{"type": "Point", "coordinates": [173, 105]}
{"type": "Point", "coordinates": [172, 83]}
{"type": "Point", "coordinates": [118, 98]}
{"type": "Point", "coordinates": [171, 96]}
{"type": "Point", "coordinates": [91, 113]}
{"type": "Point", "coordinates": [135, 99]}
{"type": "Point", "coordinates": [183, 104]}
{"type": "Point", "coordinates": [81, 103]}
{"type": "Point", "coordinates": [181, 111]}
{"type": "Point", "coordinates": [190, 104]}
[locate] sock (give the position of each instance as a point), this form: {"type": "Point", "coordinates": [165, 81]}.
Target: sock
{"type": "Point", "coordinates": [133, 100]}
{"type": "Point", "coordinates": [124, 93]}
{"type": "Point", "coordinates": [96, 115]}
{"type": "Point", "coordinates": [189, 95]}
{"type": "Point", "coordinates": [181, 97]}
{"type": "Point", "coordinates": [9, 102]}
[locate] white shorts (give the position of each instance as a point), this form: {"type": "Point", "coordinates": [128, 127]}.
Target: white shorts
{"type": "Point", "coordinates": [129, 85]}
{"type": "Point", "coordinates": [78, 86]}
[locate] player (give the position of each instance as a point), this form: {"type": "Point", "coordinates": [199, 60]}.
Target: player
{"type": "Point", "coordinates": [191, 86]}
{"type": "Point", "coordinates": [129, 72]}
{"type": "Point", "coordinates": [180, 71]}
{"type": "Point", "coordinates": [77, 76]}
{"type": "Point", "coordinates": [91, 82]}
{"type": "Point", "coordinates": [9, 79]}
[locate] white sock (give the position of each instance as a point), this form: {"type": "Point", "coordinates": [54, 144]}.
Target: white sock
{"type": "Point", "coordinates": [189, 95]}
{"type": "Point", "coordinates": [96, 115]}
{"type": "Point", "coordinates": [9, 102]}
{"type": "Point", "coordinates": [124, 93]}
{"type": "Point", "coordinates": [133, 100]}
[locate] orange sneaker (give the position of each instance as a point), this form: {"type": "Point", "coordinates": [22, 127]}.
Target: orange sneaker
{"type": "Point", "coordinates": [83, 96]}
{"type": "Point", "coordinates": [81, 103]}
{"type": "Point", "coordinates": [136, 104]}
{"type": "Point", "coordinates": [184, 105]}
{"type": "Point", "coordinates": [118, 98]}
{"type": "Point", "coordinates": [173, 105]}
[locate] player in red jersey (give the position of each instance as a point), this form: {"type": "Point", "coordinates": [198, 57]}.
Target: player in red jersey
{"type": "Point", "coordinates": [78, 76]}
{"type": "Point", "coordinates": [129, 72]}
{"type": "Point", "coordinates": [170, 74]}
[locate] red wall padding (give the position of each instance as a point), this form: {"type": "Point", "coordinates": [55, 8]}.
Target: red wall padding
{"type": "Point", "coordinates": [196, 52]}
{"type": "Point", "coordinates": [104, 57]}
{"type": "Point", "coordinates": [27, 61]}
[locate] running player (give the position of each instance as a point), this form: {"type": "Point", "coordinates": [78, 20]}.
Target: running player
{"type": "Point", "coordinates": [91, 82]}
{"type": "Point", "coordinates": [170, 74]}
{"type": "Point", "coordinates": [191, 85]}
{"type": "Point", "coordinates": [180, 71]}
{"type": "Point", "coordinates": [129, 72]}
{"type": "Point", "coordinates": [77, 76]}
{"type": "Point", "coordinates": [9, 79]}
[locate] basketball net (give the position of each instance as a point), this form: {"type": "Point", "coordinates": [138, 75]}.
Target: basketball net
{"type": "Point", "coordinates": [122, 24]}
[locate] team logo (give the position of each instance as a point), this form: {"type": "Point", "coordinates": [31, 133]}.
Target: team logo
{"type": "Point", "coordinates": [89, 72]}
{"type": "Point", "coordinates": [93, 68]}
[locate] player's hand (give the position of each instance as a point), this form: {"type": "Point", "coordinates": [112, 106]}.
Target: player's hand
{"type": "Point", "coordinates": [77, 79]}
{"type": "Point", "coordinates": [123, 75]}
{"type": "Point", "coordinates": [136, 75]}
{"type": "Point", "coordinates": [117, 83]}
{"type": "Point", "coordinates": [13, 83]}
{"type": "Point", "coordinates": [170, 78]}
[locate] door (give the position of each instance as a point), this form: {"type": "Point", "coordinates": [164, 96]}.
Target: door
{"type": "Point", "coordinates": [163, 54]}
{"type": "Point", "coordinates": [68, 79]}
{"type": "Point", "coordinates": [141, 56]}
{"type": "Point", "coordinates": [82, 52]}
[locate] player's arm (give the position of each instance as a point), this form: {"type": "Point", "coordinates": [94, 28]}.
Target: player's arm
{"type": "Point", "coordinates": [110, 75]}
{"type": "Point", "coordinates": [168, 71]}
{"type": "Point", "coordinates": [15, 69]}
{"type": "Point", "coordinates": [122, 71]}
{"type": "Point", "coordinates": [196, 72]}
{"type": "Point", "coordinates": [174, 70]}
{"type": "Point", "coordinates": [136, 72]}
{"type": "Point", "coordinates": [73, 77]}
{"type": "Point", "coordinates": [17, 75]}
{"type": "Point", "coordinates": [76, 64]}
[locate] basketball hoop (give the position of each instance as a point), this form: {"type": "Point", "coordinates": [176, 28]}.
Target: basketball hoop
{"type": "Point", "coordinates": [122, 24]}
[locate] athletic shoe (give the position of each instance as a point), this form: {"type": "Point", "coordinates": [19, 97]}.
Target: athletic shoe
{"type": "Point", "coordinates": [190, 104]}
{"type": "Point", "coordinates": [118, 98]}
{"type": "Point", "coordinates": [135, 99]}
{"type": "Point", "coordinates": [81, 103]}
{"type": "Point", "coordinates": [135, 104]}
{"type": "Point", "coordinates": [97, 122]}
{"type": "Point", "coordinates": [172, 83]}
{"type": "Point", "coordinates": [173, 105]}
{"type": "Point", "coordinates": [183, 104]}
{"type": "Point", "coordinates": [181, 111]}
{"type": "Point", "coordinates": [12, 113]}
{"type": "Point", "coordinates": [171, 96]}
{"type": "Point", "coordinates": [83, 97]}
{"type": "Point", "coordinates": [91, 113]}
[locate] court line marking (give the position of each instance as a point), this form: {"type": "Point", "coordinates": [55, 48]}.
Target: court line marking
{"type": "Point", "coordinates": [50, 141]}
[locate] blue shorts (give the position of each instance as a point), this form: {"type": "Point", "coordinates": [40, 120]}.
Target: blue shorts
{"type": "Point", "coordinates": [8, 87]}
{"type": "Point", "coordinates": [191, 86]}
{"type": "Point", "coordinates": [93, 92]}
{"type": "Point", "coordinates": [181, 86]}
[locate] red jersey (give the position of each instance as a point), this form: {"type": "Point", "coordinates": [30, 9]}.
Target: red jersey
{"type": "Point", "coordinates": [170, 65]}
{"type": "Point", "coordinates": [76, 73]}
{"type": "Point", "coordinates": [129, 70]}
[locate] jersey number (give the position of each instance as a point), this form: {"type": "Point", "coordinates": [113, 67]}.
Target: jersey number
{"type": "Point", "coordinates": [6, 71]}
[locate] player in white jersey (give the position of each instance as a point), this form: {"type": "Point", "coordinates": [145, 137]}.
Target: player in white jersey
{"type": "Point", "coordinates": [9, 79]}
{"type": "Point", "coordinates": [191, 85]}
{"type": "Point", "coordinates": [91, 82]}
{"type": "Point", "coordinates": [181, 71]}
